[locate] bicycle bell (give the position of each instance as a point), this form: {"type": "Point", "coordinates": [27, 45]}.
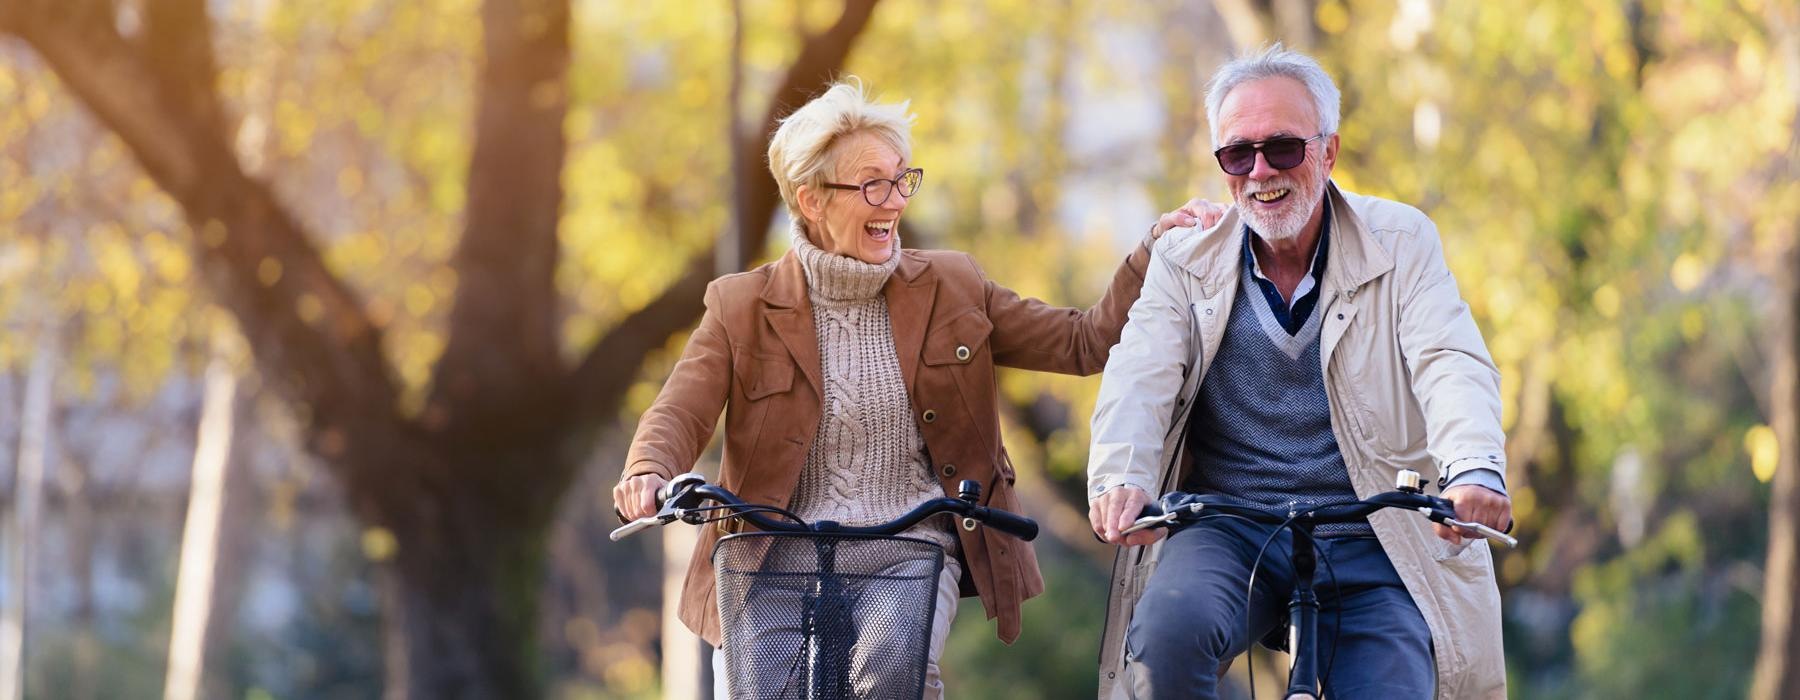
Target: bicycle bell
{"type": "Point", "coordinates": [1409, 481]}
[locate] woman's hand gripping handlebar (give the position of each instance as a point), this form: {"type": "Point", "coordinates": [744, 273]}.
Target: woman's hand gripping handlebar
{"type": "Point", "coordinates": [1407, 494]}
{"type": "Point", "coordinates": [669, 506]}
{"type": "Point", "coordinates": [681, 499]}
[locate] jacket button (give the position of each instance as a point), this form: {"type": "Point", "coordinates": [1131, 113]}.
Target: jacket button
{"type": "Point", "coordinates": [969, 524]}
{"type": "Point", "coordinates": [949, 470]}
{"type": "Point", "coordinates": [1340, 317]}
{"type": "Point", "coordinates": [962, 353]}
{"type": "Point", "coordinates": [929, 415]}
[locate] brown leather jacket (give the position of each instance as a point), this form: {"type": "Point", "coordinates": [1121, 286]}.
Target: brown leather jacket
{"type": "Point", "coordinates": [755, 356]}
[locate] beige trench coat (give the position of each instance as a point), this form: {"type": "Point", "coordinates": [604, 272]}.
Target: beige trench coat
{"type": "Point", "coordinates": [1410, 383]}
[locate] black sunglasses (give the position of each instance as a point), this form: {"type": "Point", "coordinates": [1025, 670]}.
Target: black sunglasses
{"type": "Point", "coordinates": [1284, 153]}
{"type": "Point", "coordinates": [877, 191]}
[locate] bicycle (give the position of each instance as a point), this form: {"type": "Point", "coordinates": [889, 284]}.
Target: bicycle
{"type": "Point", "coordinates": [1300, 518]}
{"type": "Point", "coordinates": [820, 610]}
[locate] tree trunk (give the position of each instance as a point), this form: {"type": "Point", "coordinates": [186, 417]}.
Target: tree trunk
{"type": "Point", "coordinates": [28, 491]}
{"type": "Point", "coordinates": [461, 617]}
{"type": "Point", "coordinates": [460, 571]}
{"type": "Point", "coordinates": [201, 612]}
{"type": "Point", "coordinates": [686, 659]}
{"type": "Point", "coordinates": [1778, 659]}
{"type": "Point", "coordinates": [79, 516]}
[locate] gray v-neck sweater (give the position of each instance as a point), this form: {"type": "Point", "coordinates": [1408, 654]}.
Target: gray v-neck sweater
{"type": "Point", "coordinates": [1261, 428]}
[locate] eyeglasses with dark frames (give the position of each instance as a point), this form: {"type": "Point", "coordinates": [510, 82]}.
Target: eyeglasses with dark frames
{"type": "Point", "coordinates": [877, 191]}
{"type": "Point", "coordinates": [1284, 153]}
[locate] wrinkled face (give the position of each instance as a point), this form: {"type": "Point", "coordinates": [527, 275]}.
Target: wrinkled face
{"type": "Point", "coordinates": [843, 221]}
{"type": "Point", "coordinates": [1278, 204]}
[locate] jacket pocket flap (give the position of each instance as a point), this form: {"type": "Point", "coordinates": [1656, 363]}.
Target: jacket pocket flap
{"type": "Point", "coordinates": [763, 375]}
{"type": "Point", "coordinates": [958, 340]}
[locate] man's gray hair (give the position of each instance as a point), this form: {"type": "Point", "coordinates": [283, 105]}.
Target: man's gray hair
{"type": "Point", "coordinates": [1274, 62]}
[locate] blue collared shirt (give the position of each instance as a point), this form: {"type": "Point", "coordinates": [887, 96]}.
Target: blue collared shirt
{"type": "Point", "coordinates": [1306, 295]}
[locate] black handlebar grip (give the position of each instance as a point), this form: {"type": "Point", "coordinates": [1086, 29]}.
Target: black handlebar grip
{"type": "Point", "coordinates": [1012, 524]}
{"type": "Point", "coordinates": [682, 483]}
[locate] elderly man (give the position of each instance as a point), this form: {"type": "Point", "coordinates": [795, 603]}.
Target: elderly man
{"type": "Point", "coordinates": [1307, 347]}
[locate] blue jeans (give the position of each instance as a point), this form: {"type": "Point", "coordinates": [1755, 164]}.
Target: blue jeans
{"type": "Point", "coordinates": [1193, 614]}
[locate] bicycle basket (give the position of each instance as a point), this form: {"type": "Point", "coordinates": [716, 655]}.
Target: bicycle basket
{"type": "Point", "coordinates": [823, 616]}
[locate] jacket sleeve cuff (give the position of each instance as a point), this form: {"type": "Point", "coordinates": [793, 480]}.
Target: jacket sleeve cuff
{"type": "Point", "coordinates": [1139, 259]}
{"type": "Point", "coordinates": [1479, 472]}
{"type": "Point", "coordinates": [1099, 485]}
{"type": "Point", "coordinates": [646, 466]}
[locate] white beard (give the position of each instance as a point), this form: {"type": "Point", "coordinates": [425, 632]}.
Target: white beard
{"type": "Point", "coordinates": [1286, 221]}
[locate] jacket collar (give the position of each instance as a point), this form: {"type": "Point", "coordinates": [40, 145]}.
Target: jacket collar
{"type": "Point", "coordinates": [1214, 254]}
{"type": "Point", "coordinates": [910, 292]}
{"type": "Point", "coordinates": [787, 310]}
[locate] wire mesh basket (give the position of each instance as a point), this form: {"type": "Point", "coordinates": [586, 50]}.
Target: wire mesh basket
{"type": "Point", "coordinates": [826, 616]}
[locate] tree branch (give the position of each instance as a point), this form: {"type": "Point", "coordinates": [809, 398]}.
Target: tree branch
{"type": "Point", "coordinates": [506, 260]}
{"type": "Point", "coordinates": [1246, 22]}
{"type": "Point", "coordinates": [728, 258]}
{"type": "Point", "coordinates": [307, 330]}
{"type": "Point", "coordinates": [600, 381]}
{"type": "Point", "coordinates": [175, 38]}
{"type": "Point", "coordinates": [1293, 20]}
{"type": "Point", "coordinates": [79, 42]}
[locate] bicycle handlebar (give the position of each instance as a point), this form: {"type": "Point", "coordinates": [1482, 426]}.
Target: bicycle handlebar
{"type": "Point", "coordinates": [1179, 507]}
{"type": "Point", "coordinates": [682, 497]}
{"type": "Point", "coordinates": [1008, 522]}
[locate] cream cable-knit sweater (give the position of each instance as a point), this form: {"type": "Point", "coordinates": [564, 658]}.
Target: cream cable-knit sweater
{"type": "Point", "coordinates": [867, 462]}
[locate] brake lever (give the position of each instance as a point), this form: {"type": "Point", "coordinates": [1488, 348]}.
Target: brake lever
{"type": "Point", "coordinates": [636, 526]}
{"type": "Point", "coordinates": [1151, 521]}
{"type": "Point", "coordinates": [1485, 531]}
{"type": "Point", "coordinates": [1479, 528]}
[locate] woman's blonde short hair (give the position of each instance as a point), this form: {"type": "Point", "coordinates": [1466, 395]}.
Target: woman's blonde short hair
{"type": "Point", "coordinates": [805, 148]}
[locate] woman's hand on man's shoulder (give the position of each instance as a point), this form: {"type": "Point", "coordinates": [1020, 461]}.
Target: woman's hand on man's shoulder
{"type": "Point", "coordinates": [1197, 213]}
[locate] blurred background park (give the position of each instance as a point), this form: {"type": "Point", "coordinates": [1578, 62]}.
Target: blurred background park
{"type": "Point", "coordinates": [326, 323]}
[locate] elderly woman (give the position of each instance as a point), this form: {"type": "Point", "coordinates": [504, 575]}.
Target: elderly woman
{"type": "Point", "coordinates": [857, 377]}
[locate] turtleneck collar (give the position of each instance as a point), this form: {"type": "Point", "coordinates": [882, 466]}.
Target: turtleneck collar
{"type": "Point", "coordinates": [841, 279]}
